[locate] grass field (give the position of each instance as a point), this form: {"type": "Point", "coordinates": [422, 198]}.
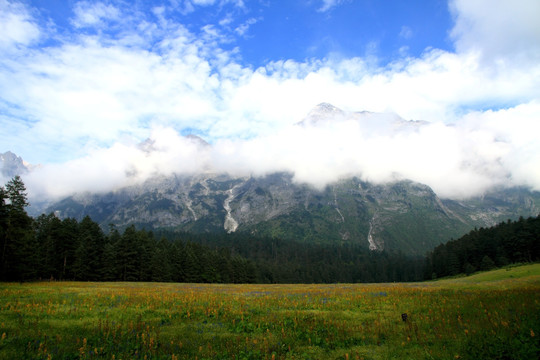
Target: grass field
{"type": "Point", "coordinates": [494, 315]}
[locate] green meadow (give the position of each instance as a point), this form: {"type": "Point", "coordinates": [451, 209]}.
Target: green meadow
{"type": "Point", "coordinates": [492, 315]}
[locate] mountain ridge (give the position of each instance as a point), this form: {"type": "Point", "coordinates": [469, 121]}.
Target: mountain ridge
{"type": "Point", "coordinates": [397, 214]}
{"type": "Point", "coordinates": [402, 215]}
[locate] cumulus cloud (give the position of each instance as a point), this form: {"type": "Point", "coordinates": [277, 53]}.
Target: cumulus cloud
{"type": "Point", "coordinates": [457, 161]}
{"type": "Point", "coordinates": [501, 31]}
{"type": "Point", "coordinates": [92, 14]}
{"type": "Point", "coordinates": [243, 28]}
{"type": "Point", "coordinates": [93, 98]}
{"type": "Point", "coordinates": [122, 164]}
{"type": "Point", "coordinates": [16, 25]}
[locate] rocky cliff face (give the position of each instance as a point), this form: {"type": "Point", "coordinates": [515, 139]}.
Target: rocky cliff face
{"type": "Point", "coordinates": [403, 215]}
{"type": "Point", "coordinates": [11, 165]}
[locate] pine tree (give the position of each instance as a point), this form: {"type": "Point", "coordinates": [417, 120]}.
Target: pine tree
{"type": "Point", "coordinates": [145, 246]}
{"type": "Point", "coordinates": [487, 263]}
{"type": "Point", "coordinates": [160, 263]}
{"type": "Point", "coordinates": [19, 256]}
{"type": "Point", "coordinates": [191, 265]}
{"type": "Point", "coordinates": [88, 256]}
{"type": "Point", "coordinates": [67, 245]}
{"type": "Point", "coordinates": [126, 250]}
{"type": "Point", "coordinates": [109, 270]}
{"type": "Point", "coordinates": [177, 258]}
{"type": "Point", "coordinates": [3, 229]}
{"type": "Point", "coordinates": [81, 266]}
{"type": "Point", "coordinates": [46, 232]}
{"type": "Point", "coordinates": [16, 193]}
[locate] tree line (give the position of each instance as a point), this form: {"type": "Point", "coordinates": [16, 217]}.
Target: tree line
{"type": "Point", "coordinates": [287, 261]}
{"type": "Point", "coordinates": [487, 248]}
{"type": "Point", "coordinates": [50, 248]}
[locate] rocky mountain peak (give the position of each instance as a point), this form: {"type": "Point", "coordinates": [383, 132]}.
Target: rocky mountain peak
{"type": "Point", "coordinates": [11, 165]}
{"type": "Point", "coordinates": [197, 140]}
{"type": "Point", "coordinates": [322, 112]}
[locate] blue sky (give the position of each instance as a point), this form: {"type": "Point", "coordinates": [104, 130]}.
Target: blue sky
{"type": "Point", "coordinates": [296, 30]}
{"type": "Point", "coordinates": [83, 82]}
{"type": "Point", "coordinates": [300, 30]}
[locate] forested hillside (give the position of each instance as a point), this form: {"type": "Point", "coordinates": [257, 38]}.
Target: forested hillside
{"type": "Point", "coordinates": [50, 248]}
{"type": "Point", "coordinates": [487, 248]}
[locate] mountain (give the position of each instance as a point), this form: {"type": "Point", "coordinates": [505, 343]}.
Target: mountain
{"type": "Point", "coordinates": [403, 215]}
{"type": "Point", "coordinates": [11, 165]}
{"type": "Point", "coordinates": [375, 123]}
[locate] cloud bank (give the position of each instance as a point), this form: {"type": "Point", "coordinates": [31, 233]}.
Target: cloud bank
{"type": "Point", "coordinates": [82, 102]}
{"type": "Point", "coordinates": [457, 161]}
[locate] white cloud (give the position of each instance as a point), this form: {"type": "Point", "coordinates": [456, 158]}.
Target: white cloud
{"type": "Point", "coordinates": [329, 4]}
{"type": "Point", "coordinates": [243, 28]}
{"type": "Point", "coordinates": [457, 161]}
{"type": "Point", "coordinates": [16, 25]}
{"type": "Point", "coordinates": [502, 31]}
{"type": "Point", "coordinates": [406, 32]}
{"type": "Point", "coordinates": [80, 100]}
{"type": "Point", "coordinates": [93, 14]}
{"type": "Point", "coordinates": [189, 6]}
{"type": "Point", "coordinates": [203, 2]}
{"type": "Point", "coordinates": [121, 164]}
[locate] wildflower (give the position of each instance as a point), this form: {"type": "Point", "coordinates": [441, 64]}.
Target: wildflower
{"type": "Point", "coordinates": [532, 333]}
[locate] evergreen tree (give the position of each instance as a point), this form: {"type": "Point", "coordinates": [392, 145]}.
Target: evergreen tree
{"type": "Point", "coordinates": [109, 271]}
{"type": "Point", "coordinates": [82, 265]}
{"type": "Point", "coordinates": [4, 218]}
{"type": "Point", "coordinates": [469, 269]}
{"type": "Point", "coordinates": [19, 256]}
{"type": "Point", "coordinates": [160, 263]}
{"type": "Point", "coordinates": [88, 263]}
{"type": "Point", "coordinates": [46, 232]}
{"type": "Point", "coordinates": [127, 255]}
{"type": "Point", "coordinates": [16, 193]}
{"type": "Point", "coordinates": [145, 247]}
{"type": "Point", "coordinates": [191, 265]}
{"type": "Point", "coordinates": [110, 255]}
{"type": "Point", "coordinates": [177, 260]}
{"type": "Point", "coordinates": [66, 246]}
{"type": "Point", "coordinates": [487, 263]}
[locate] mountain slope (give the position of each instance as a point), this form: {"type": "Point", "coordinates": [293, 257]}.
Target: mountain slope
{"type": "Point", "coordinates": [403, 215]}
{"type": "Point", "coordinates": [11, 165]}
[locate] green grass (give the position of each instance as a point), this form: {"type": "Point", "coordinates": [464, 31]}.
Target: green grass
{"type": "Point", "coordinates": [492, 315]}
{"type": "Point", "coordinates": [507, 277]}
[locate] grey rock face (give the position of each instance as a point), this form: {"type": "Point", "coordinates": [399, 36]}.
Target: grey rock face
{"type": "Point", "coordinates": [403, 215]}
{"type": "Point", "coordinates": [11, 165]}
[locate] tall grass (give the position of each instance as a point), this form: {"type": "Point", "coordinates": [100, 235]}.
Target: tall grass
{"type": "Point", "coordinates": [492, 316]}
